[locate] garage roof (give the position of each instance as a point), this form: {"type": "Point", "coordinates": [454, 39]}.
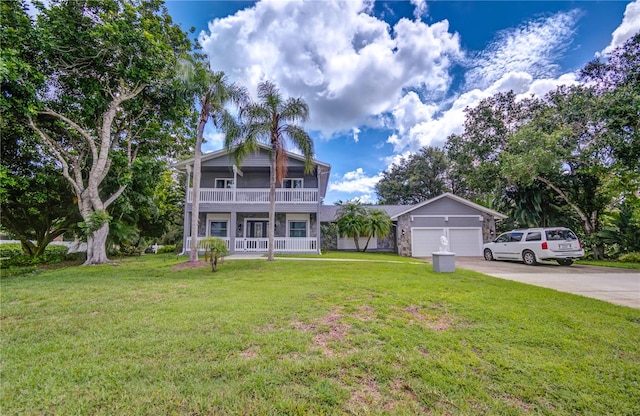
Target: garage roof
{"type": "Point", "coordinates": [409, 208]}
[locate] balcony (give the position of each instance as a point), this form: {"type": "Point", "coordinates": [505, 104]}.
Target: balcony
{"type": "Point", "coordinates": [254, 195]}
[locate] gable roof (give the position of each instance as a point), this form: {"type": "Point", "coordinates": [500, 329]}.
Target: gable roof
{"type": "Point", "coordinates": [182, 165]}
{"type": "Point", "coordinates": [409, 208]}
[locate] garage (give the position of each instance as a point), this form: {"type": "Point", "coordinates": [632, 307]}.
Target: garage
{"type": "Point", "coordinates": [462, 241]}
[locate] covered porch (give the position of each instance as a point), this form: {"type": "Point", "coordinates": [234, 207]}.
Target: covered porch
{"type": "Point", "coordinates": [248, 232]}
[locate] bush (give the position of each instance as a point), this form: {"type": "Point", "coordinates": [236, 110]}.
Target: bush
{"type": "Point", "coordinates": [10, 250]}
{"type": "Point", "coordinates": [169, 248]}
{"type": "Point", "coordinates": [630, 258]}
{"type": "Point", "coordinates": [53, 254]}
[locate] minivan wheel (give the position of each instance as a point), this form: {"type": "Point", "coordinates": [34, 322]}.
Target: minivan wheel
{"type": "Point", "coordinates": [529, 258]}
{"type": "Point", "coordinates": [488, 255]}
{"type": "Point", "coordinates": [565, 262]}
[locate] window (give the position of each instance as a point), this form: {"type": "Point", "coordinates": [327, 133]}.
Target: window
{"type": "Point", "coordinates": [292, 183]}
{"type": "Point", "coordinates": [561, 234]}
{"type": "Point", "coordinates": [534, 236]}
{"type": "Point", "coordinates": [503, 238]}
{"type": "Point", "coordinates": [516, 237]}
{"type": "Point", "coordinates": [297, 228]}
{"type": "Point", "coordinates": [218, 229]}
{"type": "Point", "coordinates": [224, 183]}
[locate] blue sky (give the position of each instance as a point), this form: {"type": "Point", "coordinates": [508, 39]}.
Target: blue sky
{"type": "Point", "coordinates": [384, 79]}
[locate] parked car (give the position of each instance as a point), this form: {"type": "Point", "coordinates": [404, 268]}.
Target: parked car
{"type": "Point", "coordinates": [534, 244]}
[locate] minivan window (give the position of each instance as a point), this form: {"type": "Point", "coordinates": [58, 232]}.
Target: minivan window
{"type": "Point", "coordinates": [534, 236]}
{"type": "Point", "coordinates": [503, 238]}
{"type": "Point", "coordinates": [560, 235]}
{"type": "Point", "coordinates": [515, 237]}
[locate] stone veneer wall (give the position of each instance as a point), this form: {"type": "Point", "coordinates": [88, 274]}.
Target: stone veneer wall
{"type": "Point", "coordinates": [387, 243]}
{"type": "Point", "coordinates": [488, 228]}
{"type": "Point", "coordinates": [404, 241]}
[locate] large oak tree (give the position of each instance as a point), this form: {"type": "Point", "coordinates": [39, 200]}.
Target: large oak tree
{"type": "Point", "coordinates": [109, 93]}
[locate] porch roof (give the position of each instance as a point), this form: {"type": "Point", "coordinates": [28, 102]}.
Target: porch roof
{"type": "Point", "coordinates": [328, 213]}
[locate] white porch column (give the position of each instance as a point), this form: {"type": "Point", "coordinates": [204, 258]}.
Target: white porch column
{"type": "Point", "coordinates": [187, 220]}
{"type": "Point", "coordinates": [232, 232]}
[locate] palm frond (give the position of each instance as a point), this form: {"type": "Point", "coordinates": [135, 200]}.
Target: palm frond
{"type": "Point", "coordinates": [303, 142]}
{"type": "Point", "coordinates": [295, 110]}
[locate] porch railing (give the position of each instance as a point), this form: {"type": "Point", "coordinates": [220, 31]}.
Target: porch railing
{"type": "Point", "coordinates": [282, 245]}
{"type": "Point", "coordinates": [261, 245]}
{"type": "Point", "coordinates": [188, 242]}
{"type": "Point", "coordinates": [255, 195]}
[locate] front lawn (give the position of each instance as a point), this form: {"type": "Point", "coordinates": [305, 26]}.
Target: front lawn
{"type": "Point", "coordinates": [610, 263]}
{"type": "Point", "coordinates": [309, 337]}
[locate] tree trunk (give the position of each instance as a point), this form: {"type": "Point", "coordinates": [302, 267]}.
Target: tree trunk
{"type": "Point", "coordinates": [97, 246]}
{"type": "Point", "coordinates": [356, 240]}
{"type": "Point", "coordinates": [589, 223]}
{"type": "Point", "coordinates": [366, 245]}
{"type": "Point", "coordinates": [197, 173]}
{"type": "Point", "coordinates": [272, 205]}
{"type": "Point", "coordinates": [27, 247]}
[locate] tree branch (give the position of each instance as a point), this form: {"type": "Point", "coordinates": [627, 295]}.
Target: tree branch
{"type": "Point", "coordinates": [85, 135]}
{"type": "Point", "coordinates": [114, 196]}
{"type": "Point", "coordinates": [589, 228]}
{"type": "Point", "coordinates": [77, 186]}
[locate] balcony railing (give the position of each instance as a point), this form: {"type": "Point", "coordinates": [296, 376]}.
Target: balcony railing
{"type": "Point", "coordinates": [255, 195]}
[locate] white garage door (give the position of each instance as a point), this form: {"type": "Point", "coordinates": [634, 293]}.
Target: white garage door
{"type": "Point", "coordinates": [425, 241]}
{"type": "Point", "coordinates": [466, 241]}
{"type": "Point", "coordinates": [462, 241]}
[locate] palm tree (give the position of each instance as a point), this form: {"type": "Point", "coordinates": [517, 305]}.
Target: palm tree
{"type": "Point", "coordinates": [377, 223]}
{"type": "Point", "coordinates": [214, 93]}
{"type": "Point", "coordinates": [351, 220]}
{"type": "Point", "coordinates": [274, 121]}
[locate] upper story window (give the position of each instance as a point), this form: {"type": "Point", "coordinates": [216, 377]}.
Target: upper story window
{"type": "Point", "coordinates": [224, 183]}
{"type": "Point", "coordinates": [293, 183]}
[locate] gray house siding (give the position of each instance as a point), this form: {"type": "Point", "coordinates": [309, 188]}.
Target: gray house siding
{"type": "Point", "coordinates": [237, 207]}
{"type": "Point", "coordinates": [444, 212]}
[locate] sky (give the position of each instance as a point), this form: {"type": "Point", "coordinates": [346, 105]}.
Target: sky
{"type": "Point", "coordinates": [386, 78]}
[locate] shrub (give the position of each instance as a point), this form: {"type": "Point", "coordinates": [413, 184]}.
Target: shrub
{"type": "Point", "coordinates": [630, 258]}
{"type": "Point", "coordinates": [170, 248]}
{"type": "Point", "coordinates": [53, 254]}
{"type": "Point", "coordinates": [10, 250]}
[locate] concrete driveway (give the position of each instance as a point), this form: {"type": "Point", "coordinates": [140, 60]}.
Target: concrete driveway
{"type": "Point", "coordinates": [619, 286]}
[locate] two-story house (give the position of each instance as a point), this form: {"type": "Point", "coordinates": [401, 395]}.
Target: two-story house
{"type": "Point", "coordinates": [234, 202]}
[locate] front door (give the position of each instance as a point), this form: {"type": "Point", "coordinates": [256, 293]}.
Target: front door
{"type": "Point", "coordinates": [257, 229]}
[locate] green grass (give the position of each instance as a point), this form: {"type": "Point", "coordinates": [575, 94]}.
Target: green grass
{"type": "Point", "coordinates": [610, 263]}
{"type": "Point", "coordinates": [309, 337]}
{"type": "Point", "coordinates": [351, 255]}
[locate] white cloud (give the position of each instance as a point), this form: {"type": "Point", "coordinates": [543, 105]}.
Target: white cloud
{"type": "Point", "coordinates": [532, 48]}
{"type": "Point", "coordinates": [630, 26]}
{"type": "Point", "coordinates": [355, 182]}
{"type": "Point", "coordinates": [520, 60]}
{"type": "Point", "coordinates": [421, 8]}
{"type": "Point", "coordinates": [348, 65]}
{"type": "Point", "coordinates": [356, 132]}
{"type": "Point", "coordinates": [213, 140]}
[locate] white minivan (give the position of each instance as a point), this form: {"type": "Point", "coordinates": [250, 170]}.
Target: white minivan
{"type": "Point", "coordinates": [533, 244]}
